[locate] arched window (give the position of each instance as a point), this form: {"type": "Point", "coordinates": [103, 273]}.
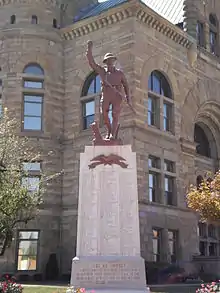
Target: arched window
{"type": "Point", "coordinates": [13, 19]}
{"type": "Point", "coordinates": [33, 69]}
{"type": "Point", "coordinates": [54, 23]}
{"type": "Point", "coordinates": [203, 146]}
{"type": "Point", "coordinates": [92, 85]}
{"type": "Point", "coordinates": [159, 89]}
{"type": "Point", "coordinates": [34, 19]}
{"type": "Point", "coordinates": [213, 34]}
{"type": "Point", "coordinates": [90, 91]}
{"type": "Point", "coordinates": [33, 88]}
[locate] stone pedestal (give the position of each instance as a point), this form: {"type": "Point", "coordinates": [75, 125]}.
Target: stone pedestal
{"type": "Point", "coordinates": [108, 237]}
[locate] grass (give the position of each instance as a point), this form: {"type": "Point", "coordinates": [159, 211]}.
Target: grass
{"type": "Point", "coordinates": [47, 289]}
{"type": "Point", "coordinates": [43, 289]}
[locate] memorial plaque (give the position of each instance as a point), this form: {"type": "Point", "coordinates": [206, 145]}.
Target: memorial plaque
{"type": "Point", "coordinates": [93, 274]}
{"type": "Point", "coordinates": [107, 273]}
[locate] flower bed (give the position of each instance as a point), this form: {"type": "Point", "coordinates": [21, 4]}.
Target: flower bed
{"type": "Point", "coordinates": [213, 287]}
{"type": "Point", "coordinates": [9, 286]}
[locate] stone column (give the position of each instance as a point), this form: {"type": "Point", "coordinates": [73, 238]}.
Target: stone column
{"type": "Point", "coordinates": [108, 236]}
{"type": "Point", "coordinates": [190, 17]}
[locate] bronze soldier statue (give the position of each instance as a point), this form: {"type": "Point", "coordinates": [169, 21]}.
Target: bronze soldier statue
{"type": "Point", "coordinates": [113, 83]}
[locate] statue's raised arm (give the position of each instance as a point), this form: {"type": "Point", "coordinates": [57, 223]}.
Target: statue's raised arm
{"type": "Point", "coordinates": [96, 67]}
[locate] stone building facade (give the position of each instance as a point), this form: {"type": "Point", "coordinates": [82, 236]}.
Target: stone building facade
{"type": "Point", "coordinates": [172, 64]}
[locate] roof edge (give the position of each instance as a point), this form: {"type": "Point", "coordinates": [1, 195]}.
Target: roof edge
{"type": "Point", "coordinates": [132, 8]}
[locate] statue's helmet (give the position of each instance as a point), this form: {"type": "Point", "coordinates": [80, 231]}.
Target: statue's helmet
{"type": "Point", "coordinates": [109, 56]}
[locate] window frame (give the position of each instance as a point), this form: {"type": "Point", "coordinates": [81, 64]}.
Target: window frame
{"type": "Point", "coordinates": [88, 82]}
{"type": "Point", "coordinates": [35, 74]}
{"type": "Point", "coordinates": [33, 173]}
{"type": "Point", "coordinates": [83, 103]}
{"type": "Point", "coordinates": [155, 101]}
{"type": "Point", "coordinates": [155, 189]}
{"type": "Point", "coordinates": [200, 33]}
{"type": "Point", "coordinates": [32, 116]}
{"type": "Point", "coordinates": [214, 31]}
{"type": "Point", "coordinates": [159, 244]}
{"type": "Point", "coordinates": [163, 95]}
{"type": "Point", "coordinates": [209, 240]}
{"type": "Point", "coordinates": [13, 19]}
{"type": "Point", "coordinates": [174, 241]}
{"type": "Point", "coordinates": [154, 170]}
{"type": "Point", "coordinates": [168, 119]}
{"type": "Point", "coordinates": [18, 240]}
{"type": "Point", "coordinates": [34, 19]}
{"type": "Point", "coordinates": [31, 79]}
{"type": "Point", "coordinates": [86, 97]}
{"type": "Point", "coordinates": [169, 194]}
{"type": "Point", "coordinates": [55, 23]}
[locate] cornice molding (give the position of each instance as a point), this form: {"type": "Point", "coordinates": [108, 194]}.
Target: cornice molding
{"type": "Point", "coordinates": [134, 9]}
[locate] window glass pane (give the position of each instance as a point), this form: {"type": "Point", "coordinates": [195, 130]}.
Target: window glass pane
{"type": "Point", "coordinates": [156, 84]}
{"type": "Point", "coordinates": [91, 89]}
{"type": "Point", "coordinates": [153, 162]}
{"type": "Point", "coordinates": [88, 120]}
{"type": "Point", "coordinates": [89, 108]}
{"type": "Point", "coordinates": [110, 113]}
{"type": "Point", "coordinates": [171, 235]}
{"type": "Point", "coordinates": [97, 84]}
{"type": "Point", "coordinates": [34, 19]}
{"type": "Point", "coordinates": [33, 99]}
{"type": "Point", "coordinates": [155, 233]}
{"type": "Point", "coordinates": [155, 246]}
{"type": "Point", "coordinates": [150, 105]}
{"type": "Point", "coordinates": [166, 184]}
{"type": "Point", "coordinates": [168, 166]}
{"type": "Point", "coordinates": [212, 19]}
{"type": "Point", "coordinates": [13, 19]}
{"type": "Point", "coordinates": [32, 109]}
{"type": "Point", "coordinates": [34, 69]}
{"type": "Point", "coordinates": [165, 88]}
{"type": "Point", "coordinates": [28, 234]}
{"type": "Point", "coordinates": [36, 166]}
{"type": "Point", "coordinates": [150, 83]}
{"type": "Point", "coordinates": [213, 249]}
{"type": "Point", "coordinates": [33, 84]}
{"type": "Point", "coordinates": [28, 247]}
{"type": "Point", "coordinates": [151, 111]}
{"type": "Point", "coordinates": [211, 231]}
{"type": "Point", "coordinates": [27, 263]}
{"type": "Point", "coordinates": [167, 117]}
{"type": "Point", "coordinates": [151, 180]}
{"type": "Point", "coordinates": [32, 123]}
{"type": "Point", "coordinates": [203, 248]}
{"type": "Point", "coordinates": [171, 244]}
{"type": "Point", "coordinates": [31, 183]}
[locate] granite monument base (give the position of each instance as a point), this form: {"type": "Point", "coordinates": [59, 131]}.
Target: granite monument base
{"type": "Point", "coordinates": [108, 236]}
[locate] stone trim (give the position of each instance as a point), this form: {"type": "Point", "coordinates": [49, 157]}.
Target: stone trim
{"type": "Point", "coordinates": [131, 9]}
{"type": "Point", "coordinates": [53, 3]}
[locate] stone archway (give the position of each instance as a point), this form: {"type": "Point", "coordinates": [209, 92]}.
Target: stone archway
{"type": "Point", "coordinates": [208, 118]}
